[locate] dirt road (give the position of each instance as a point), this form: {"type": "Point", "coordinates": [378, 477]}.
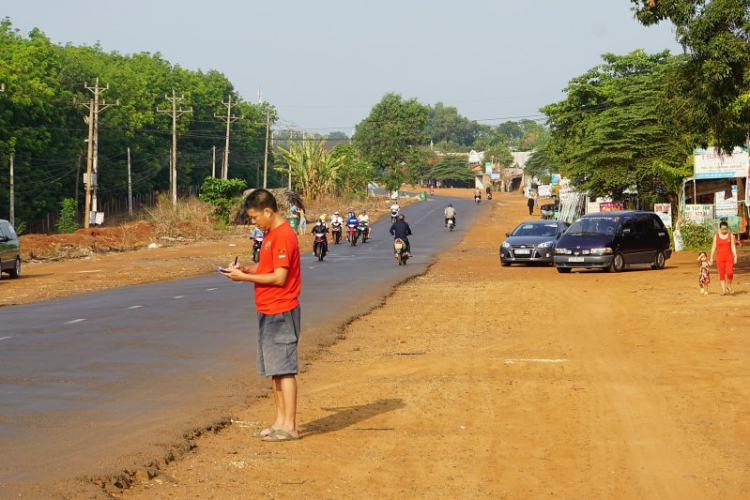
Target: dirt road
{"type": "Point", "coordinates": [476, 381]}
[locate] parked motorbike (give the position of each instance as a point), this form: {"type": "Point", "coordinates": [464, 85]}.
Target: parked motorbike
{"type": "Point", "coordinates": [399, 248]}
{"type": "Point", "coordinates": [257, 243]}
{"type": "Point", "coordinates": [364, 231]}
{"type": "Point", "coordinates": [336, 232]}
{"type": "Point", "coordinates": [320, 245]}
{"type": "Point", "coordinates": [548, 211]}
{"type": "Point", "coordinates": [451, 223]}
{"type": "Point", "coordinates": [352, 234]}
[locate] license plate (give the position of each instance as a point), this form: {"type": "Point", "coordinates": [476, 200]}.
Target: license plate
{"type": "Point", "coordinates": [522, 251]}
{"type": "Point", "coordinates": [575, 259]}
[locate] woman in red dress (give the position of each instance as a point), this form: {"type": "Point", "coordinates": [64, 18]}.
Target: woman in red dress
{"type": "Point", "coordinates": [724, 250]}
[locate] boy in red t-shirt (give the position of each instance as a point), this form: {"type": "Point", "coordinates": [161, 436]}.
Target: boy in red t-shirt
{"type": "Point", "coordinates": [277, 286]}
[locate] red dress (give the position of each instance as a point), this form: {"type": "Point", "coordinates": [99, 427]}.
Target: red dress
{"type": "Point", "coordinates": [724, 256]}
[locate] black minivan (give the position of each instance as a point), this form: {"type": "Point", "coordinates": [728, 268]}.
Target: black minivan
{"type": "Point", "coordinates": [612, 241]}
{"type": "Point", "coordinates": [10, 258]}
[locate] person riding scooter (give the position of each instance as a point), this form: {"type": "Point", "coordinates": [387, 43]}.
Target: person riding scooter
{"type": "Point", "coordinates": [351, 222]}
{"type": "Point", "coordinates": [395, 210]}
{"type": "Point", "coordinates": [364, 222]}
{"type": "Point", "coordinates": [320, 228]}
{"type": "Point", "coordinates": [400, 229]}
{"type": "Point", "coordinates": [337, 225]}
{"type": "Point", "coordinates": [450, 214]}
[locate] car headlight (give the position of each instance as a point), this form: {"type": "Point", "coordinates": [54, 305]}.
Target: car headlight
{"type": "Point", "coordinates": [561, 251]}
{"type": "Point", "coordinates": [506, 244]}
{"type": "Point", "coordinates": [601, 251]}
{"type": "Point", "coordinates": [546, 244]}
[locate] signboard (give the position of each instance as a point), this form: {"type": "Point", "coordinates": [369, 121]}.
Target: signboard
{"type": "Point", "coordinates": [610, 206]}
{"type": "Point", "coordinates": [698, 214]}
{"type": "Point", "coordinates": [709, 164]}
{"type": "Point", "coordinates": [592, 206]}
{"type": "Point", "coordinates": [495, 177]}
{"type": "Point", "coordinates": [555, 179]}
{"type": "Point", "coordinates": [726, 207]}
{"type": "Point", "coordinates": [488, 168]}
{"type": "Point", "coordinates": [664, 211]}
{"type": "Point", "coordinates": [544, 190]}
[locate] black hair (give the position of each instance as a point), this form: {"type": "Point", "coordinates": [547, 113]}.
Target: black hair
{"type": "Point", "coordinates": [723, 223]}
{"type": "Point", "coordinates": [261, 199]}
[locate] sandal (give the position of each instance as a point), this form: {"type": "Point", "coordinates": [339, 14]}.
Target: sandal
{"type": "Point", "coordinates": [280, 435]}
{"type": "Point", "coordinates": [268, 431]}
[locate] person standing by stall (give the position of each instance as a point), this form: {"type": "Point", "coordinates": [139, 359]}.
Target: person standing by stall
{"type": "Point", "coordinates": [725, 251]}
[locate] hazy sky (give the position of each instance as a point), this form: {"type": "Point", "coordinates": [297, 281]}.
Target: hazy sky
{"type": "Point", "coordinates": [325, 63]}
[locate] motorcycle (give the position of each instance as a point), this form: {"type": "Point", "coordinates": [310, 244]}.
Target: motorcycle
{"type": "Point", "coordinates": [548, 211]}
{"type": "Point", "coordinates": [399, 247]}
{"type": "Point", "coordinates": [394, 216]}
{"type": "Point", "coordinates": [336, 232]}
{"type": "Point", "coordinates": [257, 243]}
{"type": "Point", "coordinates": [364, 231]}
{"type": "Point", "coordinates": [451, 223]}
{"type": "Point", "coordinates": [477, 198]}
{"type": "Point", "coordinates": [320, 245]}
{"type": "Point", "coordinates": [352, 234]}
{"type": "Point", "coordinates": [489, 196]}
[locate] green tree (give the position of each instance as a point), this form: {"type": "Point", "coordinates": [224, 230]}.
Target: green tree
{"type": "Point", "coordinates": [67, 222]}
{"type": "Point", "coordinates": [223, 195]}
{"type": "Point", "coordinates": [355, 173]}
{"type": "Point", "coordinates": [610, 134]}
{"type": "Point", "coordinates": [450, 168]}
{"type": "Point", "coordinates": [714, 82]}
{"type": "Point", "coordinates": [315, 171]}
{"type": "Point", "coordinates": [389, 136]}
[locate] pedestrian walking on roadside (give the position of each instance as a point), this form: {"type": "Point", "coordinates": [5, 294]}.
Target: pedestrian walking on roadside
{"type": "Point", "coordinates": [530, 204]}
{"type": "Point", "coordinates": [277, 286]}
{"type": "Point", "coordinates": [723, 248]}
{"type": "Point", "coordinates": [302, 222]}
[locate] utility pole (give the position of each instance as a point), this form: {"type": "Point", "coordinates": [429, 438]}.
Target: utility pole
{"type": "Point", "coordinates": [213, 163]}
{"type": "Point", "coordinates": [265, 159]}
{"type": "Point", "coordinates": [12, 194]}
{"type": "Point", "coordinates": [173, 163]}
{"type": "Point", "coordinates": [130, 188]}
{"type": "Point", "coordinates": [95, 106]}
{"type": "Point", "coordinates": [229, 119]}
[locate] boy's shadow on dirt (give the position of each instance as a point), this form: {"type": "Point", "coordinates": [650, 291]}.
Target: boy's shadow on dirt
{"type": "Point", "coordinates": [346, 416]}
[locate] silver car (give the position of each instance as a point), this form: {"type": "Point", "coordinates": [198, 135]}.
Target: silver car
{"type": "Point", "coordinates": [532, 241]}
{"type": "Point", "coordinates": [10, 258]}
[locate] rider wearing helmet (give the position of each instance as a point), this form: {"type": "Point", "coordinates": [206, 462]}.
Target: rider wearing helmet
{"type": "Point", "coordinates": [365, 219]}
{"type": "Point", "coordinates": [450, 213]}
{"type": "Point", "coordinates": [400, 229]}
{"type": "Point", "coordinates": [320, 227]}
{"type": "Point", "coordinates": [351, 221]}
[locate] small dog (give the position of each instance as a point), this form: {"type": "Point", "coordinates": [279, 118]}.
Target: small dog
{"type": "Point", "coordinates": [704, 277]}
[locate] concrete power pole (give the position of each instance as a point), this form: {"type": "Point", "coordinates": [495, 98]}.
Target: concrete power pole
{"type": "Point", "coordinates": [173, 156]}
{"type": "Point", "coordinates": [12, 194]}
{"type": "Point", "coordinates": [229, 119]}
{"type": "Point", "coordinates": [130, 188]}
{"type": "Point", "coordinates": [213, 163]}
{"type": "Point", "coordinates": [265, 158]}
{"type": "Point", "coordinates": [95, 106]}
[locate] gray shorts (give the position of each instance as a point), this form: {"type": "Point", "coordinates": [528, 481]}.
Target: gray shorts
{"type": "Point", "coordinates": [277, 343]}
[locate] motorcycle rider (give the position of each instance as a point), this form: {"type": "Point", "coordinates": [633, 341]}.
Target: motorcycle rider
{"type": "Point", "coordinates": [351, 221]}
{"type": "Point", "coordinates": [257, 236]}
{"type": "Point", "coordinates": [450, 214]}
{"type": "Point", "coordinates": [477, 194]}
{"type": "Point", "coordinates": [395, 210]}
{"type": "Point", "coordinates": [364, 218]}
{"type": "Point", "coordinates": [401, 229]}
{"type": "Point", "coordinates": [337, 222]}
{"type": "Point", "coordinates": [321, 227]}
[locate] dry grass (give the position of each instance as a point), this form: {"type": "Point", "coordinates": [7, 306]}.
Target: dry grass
{"type": "Point", "coordinates": [190, 219]}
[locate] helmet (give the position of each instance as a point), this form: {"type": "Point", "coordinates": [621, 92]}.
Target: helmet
{"type": "Point", "coordinates": [450, 204]}
{"type": "Point", "coordinates": [322, 218]}
{"type": "Point", "coordinates": [336, 212]}
{"type": "Point", "coordinates": [401, 217]}
{"type": "Point", "coordinates": [364, 211]}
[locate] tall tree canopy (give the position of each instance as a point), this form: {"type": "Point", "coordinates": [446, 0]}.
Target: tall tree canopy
{"type": "Point", "coordinates": [44, 129]}
{"type": "Point", "coordinates": [715, 79]}
{"type": "Point", "coordinates": [611, 134]}
{"type": "Point", "coordinates": [390, 136]}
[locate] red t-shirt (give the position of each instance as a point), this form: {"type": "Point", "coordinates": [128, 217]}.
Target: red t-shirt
{"type": "Point", "coordinates": [280, 249]}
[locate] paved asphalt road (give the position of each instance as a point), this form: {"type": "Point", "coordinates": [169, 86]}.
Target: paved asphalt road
{"type": "Point", "coordinates": [93, 381]}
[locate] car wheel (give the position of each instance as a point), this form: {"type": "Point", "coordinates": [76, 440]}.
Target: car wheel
{"type": "Point", "coordinates": [618, 263]}
{"type": "Point", "coordinates": [16, 271]}
{"type": "Point", "coordinates": [659, 261]}
{"type": "Point", "coordinates": [563, 270]}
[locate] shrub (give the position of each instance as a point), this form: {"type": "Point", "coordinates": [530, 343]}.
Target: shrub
{"type": "Point", "coordinates": [223, 195]}
{"type": "Point", "coordinates": [67, 222]}
{"type": "Point", "coordinates": [697, 236]}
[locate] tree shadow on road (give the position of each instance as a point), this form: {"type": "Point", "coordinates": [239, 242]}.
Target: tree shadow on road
{"type": "Point", "coordinates": [347, 416]}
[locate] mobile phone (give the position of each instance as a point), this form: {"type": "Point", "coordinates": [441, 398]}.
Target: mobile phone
{"type": "Point", "coordinates": [222, 269]}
